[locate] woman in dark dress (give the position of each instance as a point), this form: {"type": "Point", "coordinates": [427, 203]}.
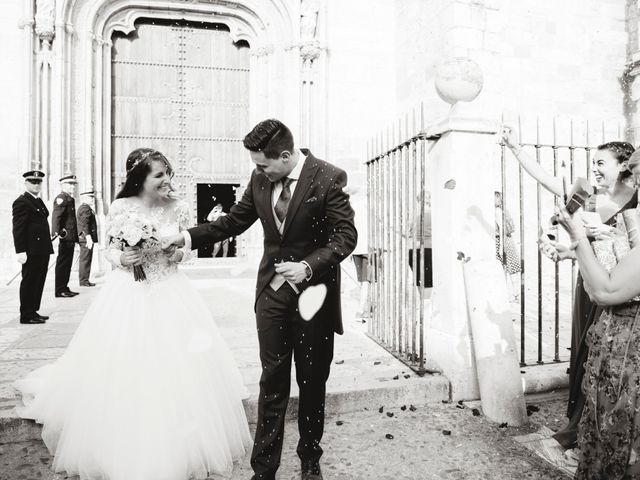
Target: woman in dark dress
{"type": "Point", "coordinates": [611, 195]}
{"type": "Point", "coordinates": [609, 430]}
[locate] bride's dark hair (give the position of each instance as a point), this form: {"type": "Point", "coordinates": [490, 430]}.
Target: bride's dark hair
{"type": "Point", "coordinates": [138, 167]}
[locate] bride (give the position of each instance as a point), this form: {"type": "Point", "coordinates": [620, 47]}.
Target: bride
{"type": "Point", "coordinates": [147, 388]}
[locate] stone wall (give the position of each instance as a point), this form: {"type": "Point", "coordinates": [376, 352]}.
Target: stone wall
{"type": "Point", "coordinates": [361, 76]}
{"type": "Point", "coordinates": [544, 58]}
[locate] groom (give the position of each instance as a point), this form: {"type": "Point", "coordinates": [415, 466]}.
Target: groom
{"type": "Point", "coordinates": [308, 230]}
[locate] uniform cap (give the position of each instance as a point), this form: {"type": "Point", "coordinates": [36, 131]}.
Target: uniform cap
{"type": "Point", "coordinates": [33, 175]}
{"type": "Point", "coordinates": [68, 179]}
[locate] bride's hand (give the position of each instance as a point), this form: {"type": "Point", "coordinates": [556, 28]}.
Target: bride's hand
{"type": "Point", "coordinates": [177, 256]}
{"type": "Point", "coordinates": [170, 250]}
{"type": "Point", "coordinates": [131, 256]}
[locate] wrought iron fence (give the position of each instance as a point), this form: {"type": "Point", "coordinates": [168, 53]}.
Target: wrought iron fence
{"type": "Point", "coordinates": [398, 239]}
{"type": "Point", "coordinates": [543, 311]}
{"type": "Point", "coordinates": [398, 172]}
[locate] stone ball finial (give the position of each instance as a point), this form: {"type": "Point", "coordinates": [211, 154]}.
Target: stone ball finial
{"type": "Point", "coordinates": [458, 79]}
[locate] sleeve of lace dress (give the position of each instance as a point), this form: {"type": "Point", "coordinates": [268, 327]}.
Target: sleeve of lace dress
{"type": "Point", "coordinates": [115, 219]}
{"type": "Point", "coordinates": [184, 221]}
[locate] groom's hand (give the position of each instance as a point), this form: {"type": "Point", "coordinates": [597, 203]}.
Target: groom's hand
{"type": "Point", "coordinates": [166, 243]}
{"type": "Point", "coordinates": [294, 272]}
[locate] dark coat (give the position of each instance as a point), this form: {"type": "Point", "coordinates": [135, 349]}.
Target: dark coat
{"type": "Point", "coordinates": [30, 226]}
{"type": "Point", "coordinates": [63, 218]}
{"type": "Point", "coordinates": [87, 224]}
{"type": "Point", "coordinates": [319, 229]}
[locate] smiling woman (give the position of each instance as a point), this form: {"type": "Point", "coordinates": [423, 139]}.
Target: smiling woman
{"type": "Point", "coordinates": [611, 195]}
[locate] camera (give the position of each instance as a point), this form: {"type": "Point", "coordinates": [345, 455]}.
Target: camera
{"type": "Point", "coordinates": [577, 197]}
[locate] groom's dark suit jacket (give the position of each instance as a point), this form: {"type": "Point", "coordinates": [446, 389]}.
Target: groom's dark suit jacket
{"type": "Point", "coordinates": [319, 229]}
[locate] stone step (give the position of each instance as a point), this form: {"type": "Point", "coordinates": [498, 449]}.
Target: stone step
{"type": "Point", "coordinates": [416, 391]}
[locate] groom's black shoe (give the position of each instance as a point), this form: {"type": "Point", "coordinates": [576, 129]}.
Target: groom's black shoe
{"type": "Point", "coordinates": [41, 317]}
{"type": "Point", "coordinates": [65, 294]}
{"type": "Point", "coordinates": [30, 320]}
{"type": "Point", "coordinates": [311, 471]}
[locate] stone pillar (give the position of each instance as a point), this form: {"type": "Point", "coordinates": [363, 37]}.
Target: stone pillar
{"type": "Point", "coordinates": [471, 335]}
{"type": "Point", "coordinates": [45, 31]}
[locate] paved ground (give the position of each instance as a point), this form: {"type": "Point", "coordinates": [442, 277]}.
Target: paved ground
{"type": "Point", "coordinates": [357, 447]}
{"type": "Point", "coordinates": [356, 440]}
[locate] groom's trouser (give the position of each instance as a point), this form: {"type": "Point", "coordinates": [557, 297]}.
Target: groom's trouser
{"type": "Point", "coordinates": [282, 333]}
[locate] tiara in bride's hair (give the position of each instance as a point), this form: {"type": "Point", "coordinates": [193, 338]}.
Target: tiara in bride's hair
{"type": "Point", "coordinates": [142, 158]}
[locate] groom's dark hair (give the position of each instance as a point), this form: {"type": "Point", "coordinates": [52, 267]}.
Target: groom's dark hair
{"type": "Point", "coordinates": [270, 137]}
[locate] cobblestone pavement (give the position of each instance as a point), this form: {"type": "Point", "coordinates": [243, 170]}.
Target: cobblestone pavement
{"type": "Point", "coordinates": [437, 441]}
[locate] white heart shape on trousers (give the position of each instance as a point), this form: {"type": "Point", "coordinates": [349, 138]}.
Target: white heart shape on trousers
{"type": "Point", "coordinates": [311, 300]}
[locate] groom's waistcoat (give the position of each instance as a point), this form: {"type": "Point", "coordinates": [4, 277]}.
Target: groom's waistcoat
{"type": "Point", "coordinates": [319, 229]}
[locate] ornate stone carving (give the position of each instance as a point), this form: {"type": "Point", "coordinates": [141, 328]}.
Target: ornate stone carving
{"type": "Point", "coordinates": [308, 19]}
{"type": "Point", "coordinates": [310, 50]}
{"type": "Point", "coordinates": [310, 47]}
{"type": "Point", "coordinates": [262, 51]}
{"type": "Point", "coordinates": [45, 19]}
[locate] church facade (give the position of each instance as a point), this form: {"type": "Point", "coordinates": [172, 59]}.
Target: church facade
{"type": "Point", "coordinates": [87, 81]}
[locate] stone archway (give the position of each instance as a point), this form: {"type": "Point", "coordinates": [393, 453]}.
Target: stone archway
{"type": "Point", "coordinates": [71, 106]}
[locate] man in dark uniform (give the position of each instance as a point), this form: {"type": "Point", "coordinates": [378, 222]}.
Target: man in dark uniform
{"type": "Point", "coordinates": [87, 236]}
{"type": "Point", "coordinates": [63, 223]}
{"type": "Point", "coordinates": [33, 246]}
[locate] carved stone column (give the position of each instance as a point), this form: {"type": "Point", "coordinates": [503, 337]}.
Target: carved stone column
{"type": "Point", "coordinates": [311, 51]}
{"type": "Point", "coordinates": [45, 31]}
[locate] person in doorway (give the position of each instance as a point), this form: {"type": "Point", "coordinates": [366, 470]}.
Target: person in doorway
{"type": "Point", "coordinates": [33, 246]}
{"type": "Point", "coordinates": [64, 226]}
{"type": "Point", "coordinates": [308, 230]}
{"type": "Point", "coordinates": [215, 213]}
{"type": "Point", "coordinates": [87, 236]}
{"type": "Point", "coordinates": [611, 195]}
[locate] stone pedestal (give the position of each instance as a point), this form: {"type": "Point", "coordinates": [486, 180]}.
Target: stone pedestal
{"type": "Point", "coordinates": [471, 336]}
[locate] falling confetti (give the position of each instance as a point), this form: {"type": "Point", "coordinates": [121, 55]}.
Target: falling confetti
{"type": "Point", "coordinates": [450, 184]}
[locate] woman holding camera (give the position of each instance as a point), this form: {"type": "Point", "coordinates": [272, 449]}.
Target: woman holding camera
{"type": "Point", "coordinates": [612, 194]}
{"type": "Point", "coordinates": [609, 431]}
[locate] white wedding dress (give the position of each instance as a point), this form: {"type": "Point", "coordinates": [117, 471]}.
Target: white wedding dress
{"type": "Point", "coordinates": [147, 388]}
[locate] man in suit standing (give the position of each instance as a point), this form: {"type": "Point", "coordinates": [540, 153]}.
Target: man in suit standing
{"type": "Point", "coordinates": [87, 236]}
{"type": "Point", "coordinates": [65, 227]}
{"type": "Point", "coordinates": [33, 246]}
{"type": "Point", "coordinates": [308, 230]}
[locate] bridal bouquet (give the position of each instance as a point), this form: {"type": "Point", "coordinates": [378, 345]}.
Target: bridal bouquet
{"type": "Point", "coordinates": [133, 232]}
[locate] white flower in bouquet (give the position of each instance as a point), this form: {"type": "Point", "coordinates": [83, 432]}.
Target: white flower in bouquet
{"type": "Point", "coordinates": [132, 234]}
